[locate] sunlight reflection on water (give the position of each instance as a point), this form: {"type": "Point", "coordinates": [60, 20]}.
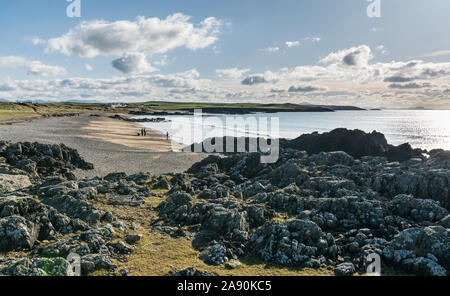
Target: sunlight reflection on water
{"type": "Point", "coordinates": [427, 129]}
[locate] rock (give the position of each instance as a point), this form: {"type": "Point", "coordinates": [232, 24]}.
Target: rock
{"type": "Point", "coordinates": [190, 271]}
{"type": "Point", "coordinates": [10, 183]}
{"type": "Point", "coordinates": [162, 183]}
{"type": "Point", "coordinates": [332, 158]}
{"type": "Point", "coordinates": [417, 209]}
{"type": "Point", "coordinates": [133, 238]}
{"type": "Point", "coordinates": [115, 177]}
{"type": "Point", "coordinates": [232, 264]}
{"type": "Point", "coordinates": [293, 243]}
{"type": "Point", "coordinates": [342, 140]}
{"type": "Point", "coordinates": [215, 255]}
{"type": "Point", "coordinates": [180, 198]}
{"type": "Point", "coordinates": [43, 160]}
{"type": "Point", "coordinates": [373, 144]}
{"type": "Point", "coordinates": [408, 247]}
{"type": "Point", "coordinates": [445, 222]}
{"type": "Point", "coordinates": [403, 152]}
{"type": "Point", "coordinates": [16, 234]}
{"type": "Point", "coordinates": [285, 174]}
{"type": "Point", "coordinates": [344, 269]}
{"type": "Point", "coordinates": [121, 248]}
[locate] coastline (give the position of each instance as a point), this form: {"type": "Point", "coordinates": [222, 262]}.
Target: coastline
{"type": "Point", "coordinates": [228, 215]}
{"type": "Point", "coordinates": [111, 145]}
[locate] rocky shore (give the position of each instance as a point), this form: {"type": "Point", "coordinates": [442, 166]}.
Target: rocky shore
{"type": "Point", "coordinates": [317, 209]}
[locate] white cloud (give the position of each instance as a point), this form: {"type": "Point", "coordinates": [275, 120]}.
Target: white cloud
{"type": "Point", "coordinates": [133, 63]}
{"type": "Point", "coordinates": [33, 67]}
{"type": "Point", "coordinates": [290, 44]}
{"type": "Point", "coordinates": [355, 56]}
{"type": "Point", "coordinates": [233, 73]}
{"type": "Point", "coordinates": [438, 53]}
{"type": "Point", "coordinates": [88, 67]}
{"type": "Point", "coordinates": [306, 89]}
{"type": "Point", "coordinates": [362, 83]}
{"type": "Point", "coordinates": [271, 49]}
{"type": "Point", "coordinates": [313, 39]}
{"type": "Point", "coordinates": [267, 77]}
{"type": "Point", "coordinates": [147, 35]}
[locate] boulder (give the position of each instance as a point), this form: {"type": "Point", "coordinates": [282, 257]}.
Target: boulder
{"type": "Point", "coordinates": [344, 269]}
{"type": "Point", "coordinates": [415, 209]}
{"type": "Point", "coordinates": [17, 233]}
{"type": "Point", "coordinates": [10, 183]}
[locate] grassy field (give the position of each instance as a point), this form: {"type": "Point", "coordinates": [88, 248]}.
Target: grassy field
{"type": "Point", "coordinates": [19, 110]}
{"type": "Point", "coordinates": [25, 110]}
{"type": "Point", "coordinates": [193, 105]}
{"type": "Point", "coordinates": [156, 253]}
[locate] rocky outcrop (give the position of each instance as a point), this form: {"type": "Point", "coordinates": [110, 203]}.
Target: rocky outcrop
{"type": "Point", "coordinates": [355, 143]}
{"type": "Point", "coordinates": [424, 251]}
{"type": "Point", "coordinates": [324, 209]}
{"type": "Point", "coordinates": [40, 160]}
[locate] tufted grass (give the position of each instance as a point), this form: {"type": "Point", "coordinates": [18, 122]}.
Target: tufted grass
{"type": "Point", "coordinates": [156, 253]}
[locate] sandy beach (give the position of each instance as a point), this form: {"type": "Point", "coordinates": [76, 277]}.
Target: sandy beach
{"type": "Point", "coordinates": [111, 145]}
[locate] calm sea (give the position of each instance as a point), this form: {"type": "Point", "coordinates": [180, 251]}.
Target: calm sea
{"type": "Point", "coordinates": [422, 129]}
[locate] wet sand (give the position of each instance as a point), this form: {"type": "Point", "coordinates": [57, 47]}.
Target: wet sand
{"type": "Point", "coordinates": [111, 145]}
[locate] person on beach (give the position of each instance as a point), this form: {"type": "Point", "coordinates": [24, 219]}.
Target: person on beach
{"type": "Point", "coordinates": [167, 135]}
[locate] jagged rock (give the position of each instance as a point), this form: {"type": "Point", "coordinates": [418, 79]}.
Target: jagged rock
{"type": "Point", "coordinates": [232, 264]}
{"type": "Point", "coordinates": [344, 269]}
{"type": "Point", "coordinates": [445, 222]}
{"type": "Point", "coordinates": [10, 183]}
{"type": "Point", "coordinates": [16, 233]}
{"type": "Point", "coordinates": [120, 248]}
{"type": "Point", "coordinates": [409, 246]}
{"type": "Point", "coordinates": [285, 174]}
{"type": "Point", "coordinates": [115, 177]}
{"type": "Point", "coordinates": [342, 140]}
{"type": "Point", "coordinates": [215, 255]}
{"type": "Point", "coordinates": [162, 183]}
{"type": "Point", "coordinates": [43, 159]}
{"type": "Point", "coordinates": [180, 198]}
{"type": "Point", "coordinates": [417, 209]}
{"type": "Point", "coordinates": [332, 158]}
{"type": "Point", "coordinates": [294, 243]}
{"type": "Point", "coordinates": [38, 267]}
{"type": "Point", "coordinates": [133, 238]}
{"type": "Point", "coordinates": [354, 142]}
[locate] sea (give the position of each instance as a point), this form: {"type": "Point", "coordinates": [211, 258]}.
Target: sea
{"type": "Point", "coordinates": [426, 129]}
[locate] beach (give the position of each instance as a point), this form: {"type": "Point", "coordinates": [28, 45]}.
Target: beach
{"type": "Point", "coordinates": [111, 145]}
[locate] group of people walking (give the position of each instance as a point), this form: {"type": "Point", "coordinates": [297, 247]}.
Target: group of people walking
{"type": "Point", "coordinates": [143, 133]}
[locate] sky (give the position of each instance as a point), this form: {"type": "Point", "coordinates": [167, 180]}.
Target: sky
{"type": "Point", "coordinates": [329, 52]}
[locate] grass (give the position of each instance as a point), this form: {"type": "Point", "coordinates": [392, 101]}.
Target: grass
{"type": "Point", "coordinates": [156, 253]}
{"type": "Point", "coordinates": [193, 105]}
{"type": "Point", "coordinates": [25, 110]}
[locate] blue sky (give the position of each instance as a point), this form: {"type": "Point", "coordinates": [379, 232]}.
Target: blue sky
{"type": "Point", "coordinates": [247, 38]}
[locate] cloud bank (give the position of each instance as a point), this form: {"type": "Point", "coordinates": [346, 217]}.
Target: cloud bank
{"type": "Point", "coordinates": [33, 67]}
{"type": "Point", "coordinates": [146, 35]}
